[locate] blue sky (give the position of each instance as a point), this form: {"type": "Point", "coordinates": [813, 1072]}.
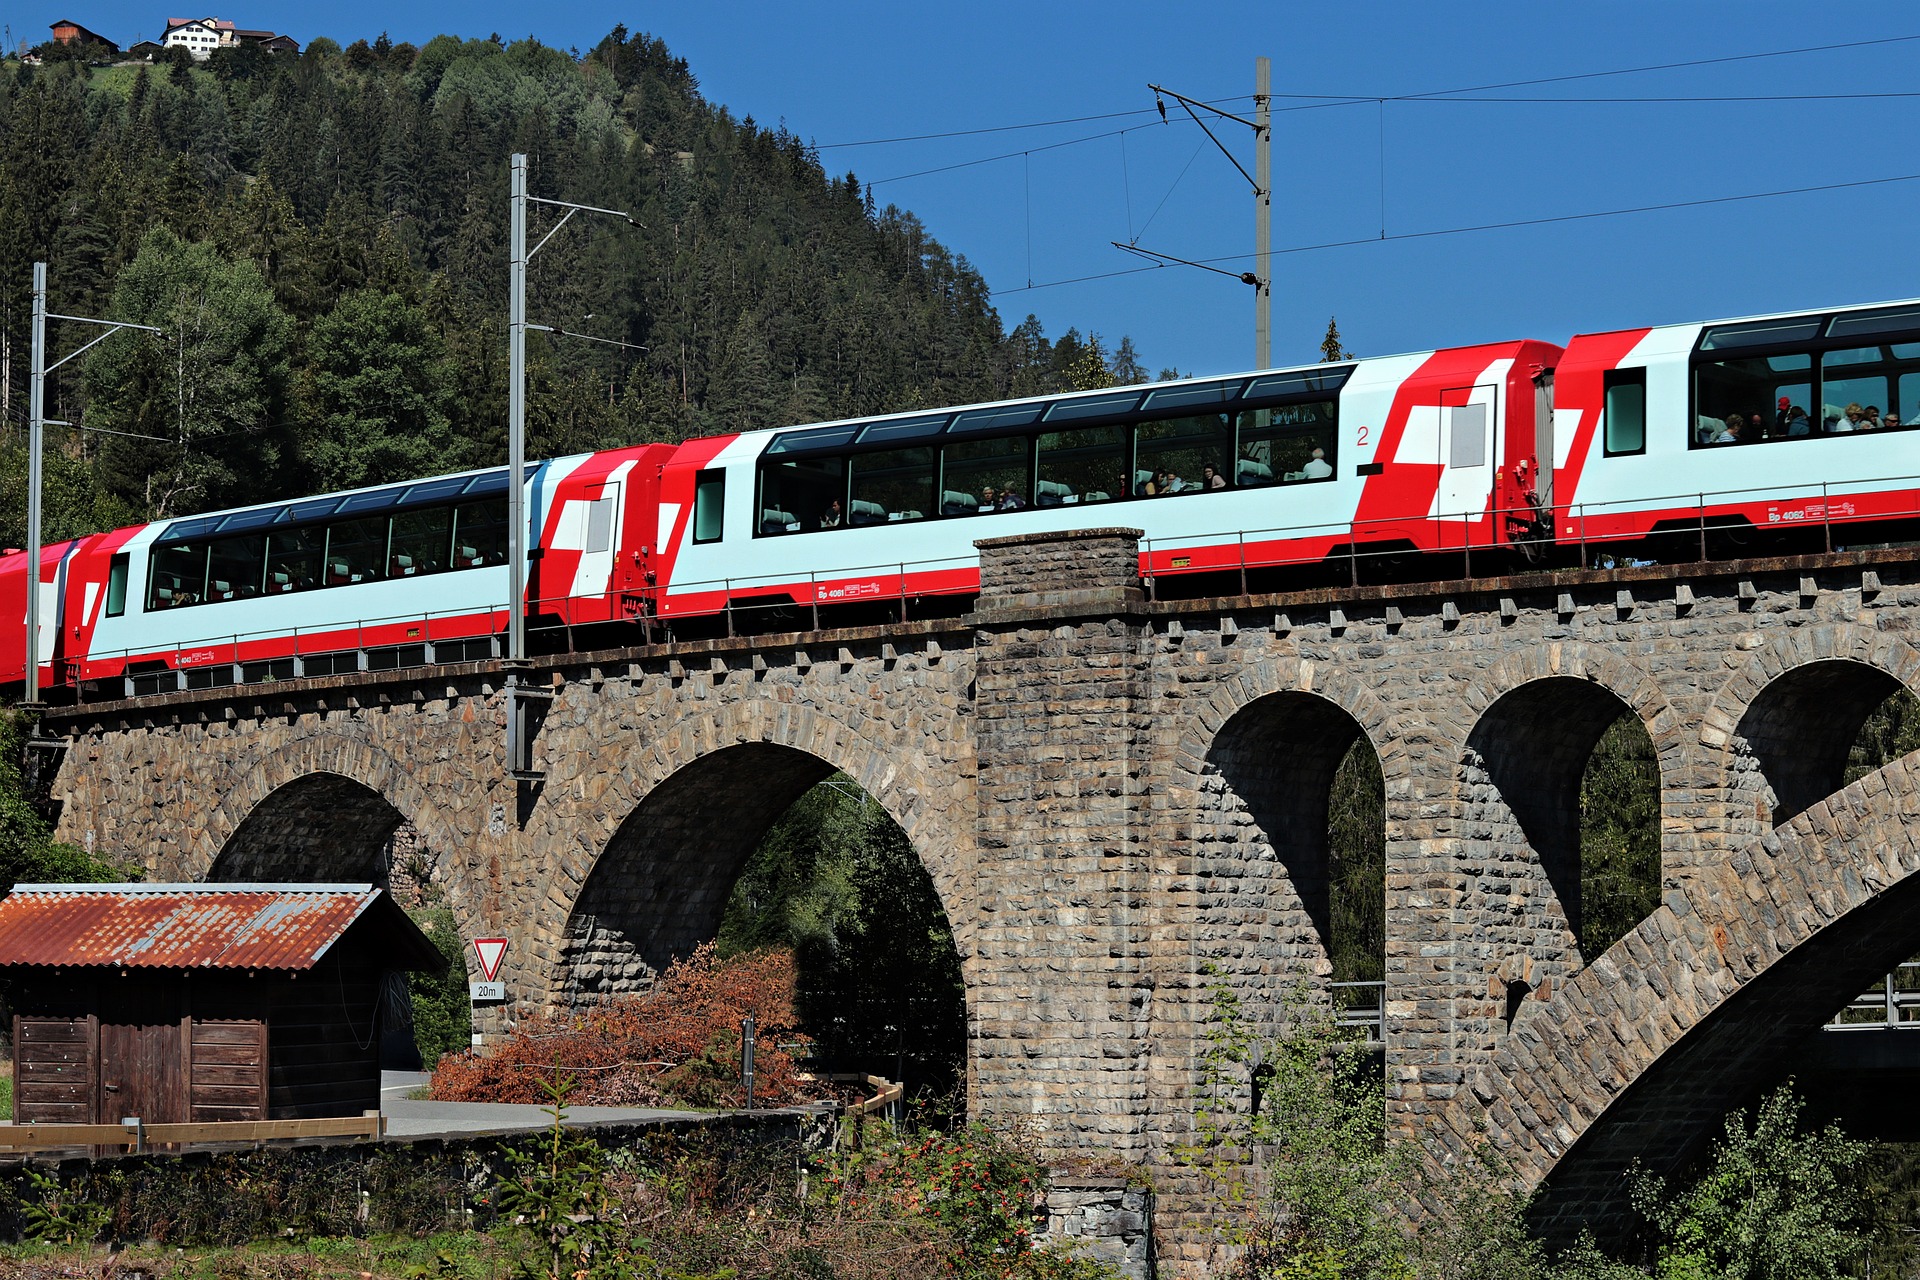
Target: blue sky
{"type": "Point", "coordinates": [844, 73]}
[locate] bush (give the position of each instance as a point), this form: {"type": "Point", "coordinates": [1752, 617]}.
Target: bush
{"type": "Point", "coordinates": [442, 1012]}
{"type": "Point", "coordinates": [675, 1044]}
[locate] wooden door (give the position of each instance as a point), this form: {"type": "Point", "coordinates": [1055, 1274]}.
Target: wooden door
{"type": "Point", "coordinates": [53, 1057]}
{"type": "Point", "coordinates": [141, 1055]}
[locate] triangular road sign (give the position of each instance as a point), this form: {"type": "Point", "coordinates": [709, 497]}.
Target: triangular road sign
{"type": "Point", "coordinates": [489, 952]}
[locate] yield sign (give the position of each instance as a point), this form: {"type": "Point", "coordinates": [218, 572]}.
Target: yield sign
{"type": "Point", "coordinates": [489, 952]}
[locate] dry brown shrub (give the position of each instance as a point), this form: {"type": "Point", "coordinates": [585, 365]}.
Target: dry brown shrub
{"type": "Point", "coordinates": [677, 1043]}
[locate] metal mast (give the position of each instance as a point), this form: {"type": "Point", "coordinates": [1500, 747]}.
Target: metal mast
{"type": "Point", "coordinates": [36, 412]}
{"type": "Point", "coordinates": [37, 423]}
{"type": "Point", "coordinates": [1263, 212]}
{"type": "Point", "coordinates": [519, 740]}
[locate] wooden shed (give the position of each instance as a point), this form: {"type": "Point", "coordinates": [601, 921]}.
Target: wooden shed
{"type": "Point", "coordinates": [187, 1003]}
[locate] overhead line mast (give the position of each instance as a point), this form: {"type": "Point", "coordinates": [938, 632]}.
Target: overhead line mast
{"type": "Point", "coordinates": [1261, 180]}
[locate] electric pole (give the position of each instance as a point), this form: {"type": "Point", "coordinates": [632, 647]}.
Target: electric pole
{"type": "Point", "coordinates": [1263, 212]}
{"type": "Point", "coordinates": [1261, 180]}
{"type": "Point", "coordinates": [519, 740]}
{"type": "Point", "coordinates": [36, 428]}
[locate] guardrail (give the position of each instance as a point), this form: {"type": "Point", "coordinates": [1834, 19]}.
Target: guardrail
{"type": "Point", "coordinates": [1505, 528]}
{"type": "Point", "coordinates": [1364, 1010]}
{"type": "Point", "coordinates": [738, 600]}
{"type": "Point", "coordinates": [1894, 1004]}
{"type": "Point", "coordinates": [133, 1135]}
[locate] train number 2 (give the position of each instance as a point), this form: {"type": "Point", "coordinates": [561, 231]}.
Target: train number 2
{"type": "Point", "coordinates": [1362, 441]}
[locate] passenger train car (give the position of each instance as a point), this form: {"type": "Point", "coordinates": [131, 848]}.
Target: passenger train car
{"type": "Point", "coordinates": [1437, 463]}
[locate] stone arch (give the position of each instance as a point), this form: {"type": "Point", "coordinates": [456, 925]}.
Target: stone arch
{"type": "Point", "coordinates": [1258, 761]}
{"type": "Point", "coordinates": [1638, 1057]}
{"type": "Point", "coordinates": [650, 877]}
{"type": "Point", "coordinates": [1539, 714]}
{"type": "Point", "coordinates": [321, 808]}
{"type": "Point", "coordinates": [1779, 730]}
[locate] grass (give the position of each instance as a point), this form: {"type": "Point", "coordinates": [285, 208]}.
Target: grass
{"type": "Point", "coordinates": [466, 1255]}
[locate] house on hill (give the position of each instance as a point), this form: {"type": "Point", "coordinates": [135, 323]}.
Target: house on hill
{"type": "Point", "coordinates": [201, 36]}
{"type": "Point", "coordinates": [67, 31]}
{"type": "Point", "coordinates": [186, 1003]}
{"type": "Point", "coordinates": [198, 36]}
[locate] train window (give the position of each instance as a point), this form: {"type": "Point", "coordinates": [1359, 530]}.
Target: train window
{"type": "Point", "coordinates": [977, 420]}
{"type": "Point", "coordinates": [1751, 390]}
{"type": "Point", "coordinates": [891, 487]}
{"type": "Point", "coordinates": [235, 567]}
{"type": "Point", "coordinates": [480, 533]}
{"type": "Point", "coordinates": [179, 575]}
{"type": "Point", "coordinates": [422, 542]}
{"type": "Point", "coordinates": [1626, 411]}
{"type": "Point", "coordinates": [1091, 407]}
{"type": "Point", "coordinates": [709, 505]}
{"type": "Point", "coordinates": [977, 472]}
{"type": "Point", "coordinates": [1910, 399]}
{"type": "Point", "coordinates": [1467, 435]}
{"type": "Point", "coordinates": [909, 429]}
{"type": "Point", "coordinates": [1199, 395]}
{"type": "Point", "coordinates": [1183, 448]}
{"type": "Point", "coordinates": [1087, 465]}
{"type": "Point", "coordinates": [807, 493]}
{"type": "Point", "coordinates": [1837, 394]}
{"type": "Point", "coordinates": [1900, 320]}
{"type": "Point", "coordinates": [1759, 333]}
{"type": "Point", "coordinates": [293, 560]}
{"type": "Point", "coordinates": [117, 585]}
{"type": "Point", "coordinates": [356, 551]}
{"type": "Point", "coordinates": [816, 438]}
{"type": "Point", "coordinates": [1303, 382]}
{"type": "Point", "coordinates": [1277, 446]}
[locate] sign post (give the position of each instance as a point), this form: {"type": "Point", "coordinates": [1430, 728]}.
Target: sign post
{"type": "Point", "coordinates": [489, 990]}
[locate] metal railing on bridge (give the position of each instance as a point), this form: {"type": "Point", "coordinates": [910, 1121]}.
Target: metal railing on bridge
{"type": "Point", "coordinates": [1894, 1004]}
{"type": "Point", "coordinates": [741, 603]}
{"type": "Point", "coordinates": [1361, 1006]}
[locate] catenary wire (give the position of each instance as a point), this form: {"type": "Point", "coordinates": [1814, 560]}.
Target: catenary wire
{"type": "Point", "coordinates": [1504, 226]}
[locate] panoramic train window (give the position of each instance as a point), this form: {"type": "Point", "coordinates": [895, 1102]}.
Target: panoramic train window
{"type": "Point", "coordinates": [179, 575]}
{"type": "Point", "coordinates": [293, 560]}
{"type": "Point", "coordinates": [1086, 465]}
{"type": "Point", "coordinates": [1179, 452]}
{"type": "Point", "coordinates": [805, 493]}
{"type": "Point", "coordinates": [1626, 411]}
{"type": "Point", "coordinates": [480, 534]}
{"type": "Point", "coordinates": [1278, 428]}
{"type": "Point", "coordinates": [422, 542]}
{"type": "Point", "coordinates": [356, 551]}
{"type": "Point", "coordinates": [1278, 446]}
{"type": "Point", "coordinates": [978, 471]}
{"type": "Point", "coordinates": [235, 567]}
{"type": "Point", "coordinates": [366, 540]}
{"type": "Point", "coordinates": [1808, 377]}
{"type": "Point", "coordinates": [891, 486]}
{"type": "Point", "coordinates": [709, 505]}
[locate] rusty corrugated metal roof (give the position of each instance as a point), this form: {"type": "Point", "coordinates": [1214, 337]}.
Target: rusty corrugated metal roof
{"type": "Point", "coordinates": [178, 926]}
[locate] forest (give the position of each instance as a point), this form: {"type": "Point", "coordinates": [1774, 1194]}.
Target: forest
{"type": "Point", "coordinates": [323, 239]}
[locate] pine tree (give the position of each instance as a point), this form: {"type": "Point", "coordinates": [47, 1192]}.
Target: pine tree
{"type": "Point", "coordinates": [1330, 348]}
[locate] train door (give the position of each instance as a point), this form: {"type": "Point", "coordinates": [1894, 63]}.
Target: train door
{"type": "Point", "coordinates": [599, 536]}
{"type": "Point", "coordinates": [1543, 440]}
{"type": "Point", "coordinates": [1469, 431]}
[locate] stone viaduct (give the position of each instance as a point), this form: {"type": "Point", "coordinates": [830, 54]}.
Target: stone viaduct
{"type": "Point", "coordinates": [1123, 802]}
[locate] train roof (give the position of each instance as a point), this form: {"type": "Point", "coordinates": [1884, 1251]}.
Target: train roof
{"type": "Point", "coordinates": [1798, 313]}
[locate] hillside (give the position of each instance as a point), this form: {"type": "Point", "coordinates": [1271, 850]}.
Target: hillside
{"type": "Point", "coordinates": [324, 238]}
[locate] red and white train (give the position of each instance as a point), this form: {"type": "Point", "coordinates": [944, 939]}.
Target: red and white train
{"type": "Point", "coordinates": [1678, 441]}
